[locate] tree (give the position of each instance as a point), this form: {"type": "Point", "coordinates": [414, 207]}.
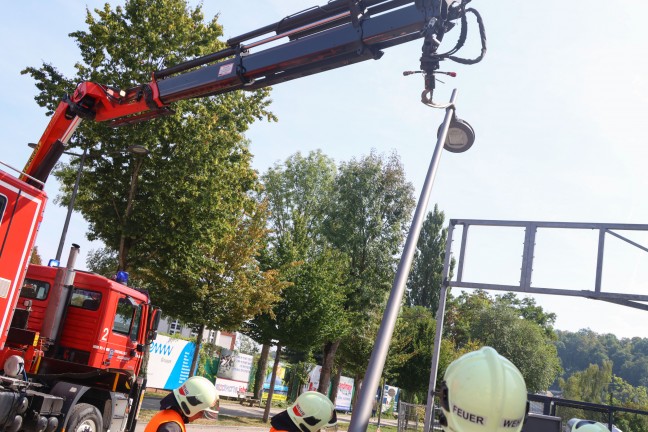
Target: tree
{"type": "Point", "coordinates": [424, 282]}
{"type": "Point", "coordinates": [181, 220]}
{"type": "Point", "coordinates": [521, 341]}
{"type": "Point", "coordinates": [310, 309]}
{"type": "Point", "coordinates": [589, 385]}
{"type": "Point", "coordinates": [529, 310]}
{"type": "Point", "coordinates": [367, 220]}
{"type": "Point", "coordinates": [102, 261]}
{"type": "Point", "coordinates": [230, 289]}
{"type": "Point", "coordinates": [35, 257]}
{"type": "Point", "coordinates": [412, 344]}
{"type": "Point", "coordinates": [578, 350]}
{"type": "Point", "coordinates": [483, 320]}
{"type": "Point", "coordinates": [156, 211]}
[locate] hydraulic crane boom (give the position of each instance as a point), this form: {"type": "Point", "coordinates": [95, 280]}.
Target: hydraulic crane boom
{"type": "Point", "coordinates": [341, 33]}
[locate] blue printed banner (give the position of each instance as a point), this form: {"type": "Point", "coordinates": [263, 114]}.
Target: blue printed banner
{"type": "Point", "coordinates": [169, 362]}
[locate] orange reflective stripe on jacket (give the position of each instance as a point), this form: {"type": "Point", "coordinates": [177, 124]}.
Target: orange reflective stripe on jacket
{"type": "Point", "coordinates": [165, 416]}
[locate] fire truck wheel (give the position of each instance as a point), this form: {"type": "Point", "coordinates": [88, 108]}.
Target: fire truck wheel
{"type": "Point", "coordinates": [84, 418]}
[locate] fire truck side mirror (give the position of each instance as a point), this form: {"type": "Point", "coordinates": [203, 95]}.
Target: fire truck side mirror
{"type": "Point", "coordinates": [154, 322]}
{"type": "Point", "coordinates": [152, 334]}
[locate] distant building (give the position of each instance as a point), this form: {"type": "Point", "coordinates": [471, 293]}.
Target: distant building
{"type": "Point", "coordinates": [173, 326]}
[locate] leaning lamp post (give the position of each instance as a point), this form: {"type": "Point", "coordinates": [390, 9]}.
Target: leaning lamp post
{"type": "Point", "coordinates": [136, 150]}
{"type": "Point", "coordinates": [456, 136]}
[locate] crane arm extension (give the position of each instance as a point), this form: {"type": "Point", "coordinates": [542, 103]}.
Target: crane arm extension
{"type": "Point", "coordinates": [339, 34]}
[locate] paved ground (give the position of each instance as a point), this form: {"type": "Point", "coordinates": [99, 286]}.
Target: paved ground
{"type": "Point", "coordinates": [234, 409]}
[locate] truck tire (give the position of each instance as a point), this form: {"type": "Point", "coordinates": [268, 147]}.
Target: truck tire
{"type": "Point", "coordinates": [84, 418]}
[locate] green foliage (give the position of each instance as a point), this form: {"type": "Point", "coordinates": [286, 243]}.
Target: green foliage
{"type": "Point", "coordinates": [424, 280]}
{"type": "Point", "coordinates": [102, 261]}
{"type": "Point", "coordinates": [181, 220]}
{"type": "Point", "coordinates": [367, 221]}
{"type": "Point", "coordinates": [629, 357]}
{"type": "Point", "coordinates": [410, 353]}
{"type": "Point", "coordinates": [35, 257]}
{"type": "Point", "coordinates": [589, 385]}
{"type": "Point", "coordinates": [500, 322]}
{"type": "Point", "coordinates": [621, 393]}
{"type": "Point", "coordinates": [310, 309]}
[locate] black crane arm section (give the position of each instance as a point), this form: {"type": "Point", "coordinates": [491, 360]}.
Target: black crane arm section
{"type": "Point", "coordinates": [341, 33]}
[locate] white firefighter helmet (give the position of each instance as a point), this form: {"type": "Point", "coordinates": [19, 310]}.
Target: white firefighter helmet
{"type": "Point", "coordinates": [195, 395]}
{"type": "Point", "coordinates": [312, 411]}
{"type": "Point", "coordinates": [483, 391]}
{"type": "Point", "coordinates": [589, 426]}
{"type": "Point", "coordinates": [14, 366]}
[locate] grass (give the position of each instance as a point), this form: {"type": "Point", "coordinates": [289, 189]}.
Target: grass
{"type": "Point", "coordinates": [224, 420]}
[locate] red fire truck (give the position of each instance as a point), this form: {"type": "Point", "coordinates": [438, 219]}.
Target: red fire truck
{"type": "Point", "coordinates": [71, 343]}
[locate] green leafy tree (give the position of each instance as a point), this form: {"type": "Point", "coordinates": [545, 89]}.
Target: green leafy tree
{"type": "Point", "coordinates": [311, 309]}
{"type": "Point", "coordinates": [589, 385]}
{"type": "Point", "coordinates": [152, 210]}
{"type": "Point", "coordinates": [367, 221]}
{"type": "Point", "coordinates": [521, 341]}
{"type": "Point", "coordinates": [102, 261]}
{"type": "Point", "coordinates": [529, 310]}
{"type": "Point", "coordinates": [483, 320]}
{"type": "Point", "coordinates": [410, 354]}
{"type": "Point", "coordinates": [622, 393]}
{"type": "Point", "coordinates": [181, 219]}
{"type": "Point", "coordinates": [578, 350]}
{"type": "Point", "coordinates": [35, 257]}
{"type": "Point", "coordinates": [461, 314]}
{"type": "Point", "coordinates": [424, 280]}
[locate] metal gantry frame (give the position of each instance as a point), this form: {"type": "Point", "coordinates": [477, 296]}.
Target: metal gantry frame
{"type": "Point", "coordinates": [526, 270]}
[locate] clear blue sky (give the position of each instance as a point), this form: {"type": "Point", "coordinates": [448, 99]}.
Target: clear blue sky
{"type": "Point", "coordinates": [558, 105]}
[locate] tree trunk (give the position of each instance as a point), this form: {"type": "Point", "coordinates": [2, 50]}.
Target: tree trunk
{"type": "Point", "coordinates": [327, 364]}
{"type": "Point", "coordinates": [266, 411]}
{"type": "Point", "coordinates": [262, 365]}
{"type": "Point", "coordinates": [357, 380]}
{"type": "Point", "coordinates": [335, 383]}
{"type": "Point", "coordinates": [199, 339]}
{"type": "Point", "coordinates": [124, 243]}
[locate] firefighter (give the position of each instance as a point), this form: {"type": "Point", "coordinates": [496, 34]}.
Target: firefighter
{"type": "Point", "coordinates": [590, 427]}
{"type": "Point", "coordinates": [483, 391]}
{"type": "Point", "coordinates": [311, 412]}
{"type": "Point", "coordinates": [183, 405]}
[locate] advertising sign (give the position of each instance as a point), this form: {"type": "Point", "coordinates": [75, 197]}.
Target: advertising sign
{"type": "Point", "coordinates": [313, 378]}
{"type": "Point", "coordinates": [230, 388]}
{"type": "Point", "coordinates": [233, 373]}
{"type": "Point", "coordinates": [169, 362]}
{"type": "Point", "coordinates": [344, 394]}
{"type": "Point", "coordinates": [390, 398]}
{"type": "Point", "coordinates": [280, 392]}
{"type": "Point", "coordinates": [234, 367]}
{"type": "Point", "coordinates": [345, 389]}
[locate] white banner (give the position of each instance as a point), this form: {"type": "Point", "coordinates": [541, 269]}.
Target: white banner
{"type": "Point", "coordinates": [230, 388]}
{"type": "Point", "coordinates": [313, 378]}
{"type": "Point", "coordinates": [235, 367]}
{"type": "Point", "coordinates": [169, 362]}
{"type": "Point", "coordinates": [345, 388]}
{"type": "Point", "coordinates": [390, 398]}
{"type": "Point", "coordinates": [344, 394]}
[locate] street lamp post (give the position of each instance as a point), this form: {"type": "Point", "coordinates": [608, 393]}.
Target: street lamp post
{"type": "Point", "coordinates": [454, 135]}
{"type": "Point", "coordinates": [135, 150]}
{"type": "Point", "coordinates": [59, 251]}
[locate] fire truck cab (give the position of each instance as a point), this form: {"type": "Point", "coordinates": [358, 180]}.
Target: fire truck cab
{"type": "Point", "coordinates": [103, 320]}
